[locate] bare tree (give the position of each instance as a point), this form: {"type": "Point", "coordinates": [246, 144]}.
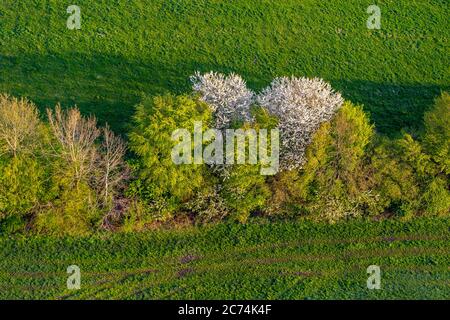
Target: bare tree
{"type": "Point", "coordinates": [75, 138]}
{"type": "Point", "coordinates": [111, 164]}
{"type": "Point", "coordinates": [19, 126]}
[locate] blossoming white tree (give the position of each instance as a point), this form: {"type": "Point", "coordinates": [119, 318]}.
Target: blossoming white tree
{"type": "Point", "coordinates": [301, 105]}
{"type": "Point", "coordinates": [227, 95]}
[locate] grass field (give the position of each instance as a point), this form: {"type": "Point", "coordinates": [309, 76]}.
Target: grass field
{"type": "Point", "coordinates": [281, 260]}
{"type": "Point", "coordinates": [129, 47]}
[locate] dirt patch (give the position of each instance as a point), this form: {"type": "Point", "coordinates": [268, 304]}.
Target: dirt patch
{"type": "Point", "coordinates": [188, 258]}
{"type": "Point", "coordinates": [184, 272]}
{"type": "Point", "coordinates": [390, 239]}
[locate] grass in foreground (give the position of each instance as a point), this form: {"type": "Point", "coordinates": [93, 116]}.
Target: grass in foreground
{"type": "Point", "coordinates": [129, 47]}
{"type": "Point", "coordinates": [282, 260]}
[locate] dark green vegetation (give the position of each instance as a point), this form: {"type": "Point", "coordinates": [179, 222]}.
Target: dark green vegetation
{"type": "Point", "coordinates": [232, 261]}
{"type": "Point", "coordinates": [349, 172]}
{"type": "Point", "coordinates": [127, 47]}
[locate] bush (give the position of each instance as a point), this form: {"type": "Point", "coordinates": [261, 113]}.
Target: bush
{"type": "Point", "coordinates": [407, 179]}
{"type": "Point", "coordinates": [395, 179]}
{"type": "Point", "coordinates": [283, 202]}
{"type": "Point", "coordinates": [69, 177]}
{"type": "Point", "coordinates": [243, 187]}
{"type": "Point", "coordinates": [159, 181]}
{"type": "Point", "coordinates": [208, 205]}
{"type": "Point", "coordinates": [244, 191]}
{"type": "Point", "coordinates": [412, 177]}
{"type": "Point", "coordinates": [136, 218]}
{"type": "Point", "coordinates": [22, 186]}
{"type": "Point", "coordinates": [22, 169]}
{"type": "Point", "coordinates": [332, 184]}
{"type": "Point", "coordinates": [436, 140]}
{"type": "Point", "coordinates": [74, 212]}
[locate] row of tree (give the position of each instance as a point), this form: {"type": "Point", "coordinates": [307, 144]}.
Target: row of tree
{"type": "Point", "coordinates": [65, 175]}
{"type": "Point", "coordinates": [57, 176]}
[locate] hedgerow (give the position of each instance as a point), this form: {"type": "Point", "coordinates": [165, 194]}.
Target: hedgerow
{"type": "Point", "coordinates": [59, 177]}
{"type": "Point", "coordinates": [68, 176]}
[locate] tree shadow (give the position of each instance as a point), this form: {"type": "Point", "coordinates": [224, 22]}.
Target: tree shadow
{"type": "Point", "coordinates": [392, 107]}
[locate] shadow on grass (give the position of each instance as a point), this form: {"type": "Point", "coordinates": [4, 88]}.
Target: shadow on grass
{"type": "Point", "coordinates": [110, 86]}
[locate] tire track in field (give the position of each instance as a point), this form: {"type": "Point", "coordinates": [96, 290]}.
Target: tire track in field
{"type": "Point", "coordinates": [246, 262]}
{"type": "Point", "coordinates": [123, 275]}
{"type": "Point", "coordinates": [266, 246]}
{"type": "Point", "coordinates": [348, 253]}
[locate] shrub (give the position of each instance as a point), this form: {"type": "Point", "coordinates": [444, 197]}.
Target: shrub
{"type": "Point", "coordinates": [412, 177]}
{"type": "Point", "coordinates": [22, 169]}
{"type": "Point", "coordinates": [136, 218]}
{"type": "Point", "coordinates": [332, 184]}
{"type": "Point", "coordinates": [159, 181]}
{"type": "Point", "coordinates": [207, 205]}
{"type": "Point", "coordinates": [436, 139]}
{"type": "Point", "coordinates": [348, 173]}
{"type": "Point", "coordinates": [434, 196]}
{"type": "Point", "coordinates": [285, 201]}
{"type": "Point", "coordinates": [301, 105]}
{"type": "Point", "coordinates": [395, 179]}
{"type": "Point", "coordinates": [22, 185]}
{"type": "Point", "coordinates": [73, 212]}
{"type": "Point", "coordinates": [244, 191]}
{"type": "Point", "coordinates": [431, 159]}
{"type": "Point", "coordinates": [408, 181]}
{"type": "Point", "coordinates": [243, 188]}
{"type": "Point", "coordinates": [69, 177]}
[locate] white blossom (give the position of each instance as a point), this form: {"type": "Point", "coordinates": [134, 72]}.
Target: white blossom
{"type": "Point", "coordinates": [227, 95]}
{"type": "Point", "coordinates": [301, 105]}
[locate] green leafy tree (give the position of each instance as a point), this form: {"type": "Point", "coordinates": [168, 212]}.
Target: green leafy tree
{"type": "Point", "coordinates": [22, 167]}
{"type": "Point", "coordinates": [412, 175]}
{"type": "Point", "coordinates": [161, 183]}
{"type": "Point", "coordinates": [436, 140]}
{"type": "Point", "coordinates": [245, 189]}
{"type": "Point", "coordinates": [333, 183]}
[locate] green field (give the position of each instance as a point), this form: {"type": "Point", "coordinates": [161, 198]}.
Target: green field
{"type": "Point", "coordinates": [278, 260]}
{"type": "Point", "coordinates": [129, 47]}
